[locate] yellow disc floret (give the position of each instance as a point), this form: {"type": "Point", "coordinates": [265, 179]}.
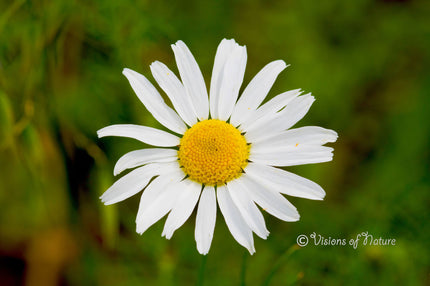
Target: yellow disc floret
{"type": "Point", "coordinates": [213, 152]}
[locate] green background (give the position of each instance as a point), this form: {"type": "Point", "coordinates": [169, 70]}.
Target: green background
{"type": "Point", "coordinates": [366, 62]}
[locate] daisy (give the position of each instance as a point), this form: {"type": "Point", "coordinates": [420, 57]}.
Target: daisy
{"type": "Point", "coordinates": [225, 149]}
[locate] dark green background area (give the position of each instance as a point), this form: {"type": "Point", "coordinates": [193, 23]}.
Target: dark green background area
{"type": "Point", "coordinates": [366, 62]}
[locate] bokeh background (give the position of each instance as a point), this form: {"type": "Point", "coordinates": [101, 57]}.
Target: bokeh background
{"type": "Point", "coordinates": [366, 62]}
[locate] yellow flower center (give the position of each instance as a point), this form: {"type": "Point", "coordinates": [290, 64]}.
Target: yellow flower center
{"type": "Point", "coordinates": [213, 152]}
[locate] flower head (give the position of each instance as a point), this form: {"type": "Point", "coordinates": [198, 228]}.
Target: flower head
{"type": "Point", "coordinates": [227, 151]}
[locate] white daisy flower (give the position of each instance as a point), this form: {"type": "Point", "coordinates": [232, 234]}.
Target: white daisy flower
{"type": "Point", "coordinates": [226, 148]}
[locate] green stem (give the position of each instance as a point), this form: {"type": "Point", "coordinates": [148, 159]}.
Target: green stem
{"type": "Point", "coordinates": [201, 276]}
{"type": "Point", "coordinates": [284, 257]}
{"type": "Point", "coordinates": [243, 270]}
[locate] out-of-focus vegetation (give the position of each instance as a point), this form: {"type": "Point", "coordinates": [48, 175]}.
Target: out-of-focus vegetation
{"type": "Point", "coordinates": [366, 62]}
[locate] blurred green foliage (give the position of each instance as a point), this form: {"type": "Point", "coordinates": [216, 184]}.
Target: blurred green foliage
{"type": "Point", "coordinates": [365, 61]}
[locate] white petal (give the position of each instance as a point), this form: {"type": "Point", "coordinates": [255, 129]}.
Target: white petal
{"type": "Point", "coordinates": [284, 182]}
{"type": "Point", "coordinates": [141, 157]}
{"type": "Point", "coordinates": [234, 220]}
{"type": "Point", "coordinates": [134, 182]}
{"type": "Point", "coordinates": [222, 54]}
{"type": "Point", "coordinates": [205, 220]}
{"type": "Point", "coordinates": [302, 154]}
{"type": "Point", "coordinates": [163, 183]}
{"type": "Point", "coordinates": [144, 134]}
{"type": "Point", "coordinates": [184, 206]}
{"type": "Point", "coordinates": [157, 200]}
{"type": "Point", "coordinates": [268, 111]}
{"type": "Point", "coordinates": [271, 201]}
{"type": "Point", "coordinates": [308, 135]}
{"type": "Point", "coordinates": [153, 101]}
{"type": "Point", "coordinates": [256, 91]}
{"type": "Point", "coordinates": [175, 91]}
{"type": "Point", "coordinates": [284, 119]}
{"type": "Point", "coordinates": [192, 79]}
{"type": "Point", "coordinates": [234, 71]}
{"type": "Point", "coordinates": [250, 213]}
